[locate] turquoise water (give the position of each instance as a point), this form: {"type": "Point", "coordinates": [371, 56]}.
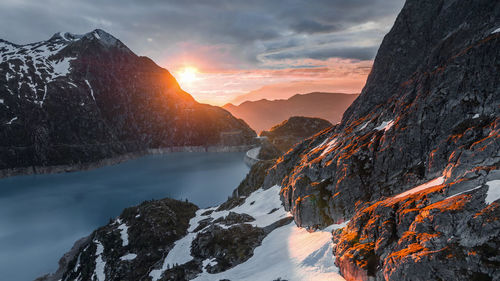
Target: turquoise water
{"type": "Point", "coordinates": [41, 216]}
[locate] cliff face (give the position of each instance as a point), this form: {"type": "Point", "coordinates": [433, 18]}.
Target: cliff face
{"type": "Point", "coordinates": [293, 130]}
{"type": "Point", "coordinates": [429, 113]}
{"type": "Point", "coordinates": [282, 137]}
{"type": "Point", "coordinates": [81, 98]}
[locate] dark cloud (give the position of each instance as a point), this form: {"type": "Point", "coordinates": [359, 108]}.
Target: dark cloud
{"type": "Point", "coordinates": [249, 29]}
{"type": "Point", "coordinates": [311, 26]}
{"type": "Point", "coordinates": [357, 53]}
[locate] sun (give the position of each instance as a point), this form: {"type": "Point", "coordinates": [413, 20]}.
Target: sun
{"type": "Point", "coordinates": [187, 75]}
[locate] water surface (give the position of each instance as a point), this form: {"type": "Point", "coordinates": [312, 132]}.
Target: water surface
{"type": "Point", "coordinates": [41, 216]}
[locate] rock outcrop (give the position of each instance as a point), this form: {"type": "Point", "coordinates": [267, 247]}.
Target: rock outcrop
{"type": "Point", "coordinates": [77, 99]}
{"type": "Point", "coordinates": [429, 113]}
{"type": "Point", "coordinates": [294, 130]}
{"type": "Point", "coordinates": [123, 250]}
{"type": "Point", "coordinates": [172, 240]}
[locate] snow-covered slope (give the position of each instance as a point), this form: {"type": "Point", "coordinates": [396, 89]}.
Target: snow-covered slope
{"type": "Point", "coordinates": [254, 240]}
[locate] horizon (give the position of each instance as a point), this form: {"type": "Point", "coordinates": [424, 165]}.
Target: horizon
{"type": "Point", "coordinates": [311, 47]}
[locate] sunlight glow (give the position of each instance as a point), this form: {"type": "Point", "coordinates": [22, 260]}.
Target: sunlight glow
{"type": "Point", "coordinates": [187, 75]}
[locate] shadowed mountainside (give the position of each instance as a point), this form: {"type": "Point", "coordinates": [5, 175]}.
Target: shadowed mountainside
{"type": "Point", "coordinates": [81, 98]}
{"type": "Point", "coordinates": [263, 114]}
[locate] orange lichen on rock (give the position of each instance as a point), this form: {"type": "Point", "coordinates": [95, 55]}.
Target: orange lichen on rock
{"type": "Point", "coordinates": [450, 204]}
{"type": "Point", "coordinates": [411, 249]}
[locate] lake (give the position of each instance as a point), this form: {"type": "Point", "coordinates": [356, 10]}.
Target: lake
{"type": "Point", "coordinates": [41, 216]}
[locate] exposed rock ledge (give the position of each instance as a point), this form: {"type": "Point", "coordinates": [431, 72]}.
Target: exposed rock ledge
{"type": "Point", "coordinates": [116, 160]}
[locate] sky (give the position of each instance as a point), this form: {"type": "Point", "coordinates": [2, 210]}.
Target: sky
{"type": "Point", "coordinates": [221, 49]}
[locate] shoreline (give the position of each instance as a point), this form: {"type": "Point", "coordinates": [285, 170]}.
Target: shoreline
{"type": "Point", "coordinates": [38, 170]}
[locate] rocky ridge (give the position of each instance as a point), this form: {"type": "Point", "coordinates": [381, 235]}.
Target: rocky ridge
{"type": "Point", "coordinates": [414, 163]}
{"type": "Point", "coordinates": [79, 99]}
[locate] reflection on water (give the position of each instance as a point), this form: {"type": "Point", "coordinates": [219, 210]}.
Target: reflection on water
{"type": "Point", "coordinates": [41, 216]}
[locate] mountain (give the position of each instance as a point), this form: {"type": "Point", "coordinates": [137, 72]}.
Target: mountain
{"type": "Point", "coordinates": [79, 99]}
{"type": "Point", "coordinates": [407, 185]}
{"type": "Point", "coordinates": [413, 166]}
{"type": "Point", "coordinates": [290, 132]}
{"type": "Point", "coordinates": [263, 114]}
{"type": "Point", "coordinates": [286, 90]}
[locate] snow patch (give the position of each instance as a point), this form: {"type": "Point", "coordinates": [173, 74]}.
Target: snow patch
{"type": "Point", "coordinates": [364, 126]}
{"type": "Point", "coordinates": [123, 232]}
{"type": "Point", "coordinates": [475, 116]}
{"type": "Point", "coordinates": [1, 101]}
{"type": "Point", "coordinates": [258, 205]}
{"type": "Point", "coordinates": [90, 87]}
{"type": "Point", "coordinates": [11, 120]}
{"type": "Point", "coordinates": [128, 257]}
{"type": "Point", "coordinates": [320, 145]}
{"type": "Point", "coordinates": [493, 193]}
{"type": "Point", "coordinates": [429, 184]}
{"type": "Point", "coordinates": [289, 253]}
{"type": "Point", "coordinates": [181, 252]}
{"type": "Point", "coordinates": [100, 264]}
{"type": "Point", "coordinates": [386, 125]}
{"type": "Point", "coordinates": [495, 31]}
{"type": "Point", "coordinates": [61, 67]}
{"type": "Point", "coordinates": [329, 146]}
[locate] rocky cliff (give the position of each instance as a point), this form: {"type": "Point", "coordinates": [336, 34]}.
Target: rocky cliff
{"type": "Point", "coordinates": [414, 163]}
{"type": "Point", "coordinates": [81, 98]}
{"type": "Point", "coordinates": [294, 130]}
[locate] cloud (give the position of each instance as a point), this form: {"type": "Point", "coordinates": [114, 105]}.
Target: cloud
{"type": "Point", "coordinates": [311, 26]}
{"type": "Point", "coordinates": [237, 46]}
{"type": "Point", "coordinates": [248, 29]}
{"type": "Point", "coordinates": [358, 53]}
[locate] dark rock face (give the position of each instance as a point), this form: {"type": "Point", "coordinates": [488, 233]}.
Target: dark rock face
{"type": "Point", "coordinates": [77, 99]}
{"type": "Point", "coordinates": [228, 247]}
{"type": "Point", "coordinates": [123, 249]}
{"type": "Point", "coordinates": [430, 109]}
{"type": "Point", "coordinates": [294, 130]}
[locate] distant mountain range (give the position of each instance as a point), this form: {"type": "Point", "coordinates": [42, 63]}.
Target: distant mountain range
{"type": "Point", "coordinates": [263, 114]}
{"type": "Point", "coordinates": [77, 99]}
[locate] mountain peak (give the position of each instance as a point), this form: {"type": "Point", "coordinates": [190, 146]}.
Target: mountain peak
{"type": "Point", "coordinates": [97, 35]}
{"type": "Point", "coordinates": [103, 37]}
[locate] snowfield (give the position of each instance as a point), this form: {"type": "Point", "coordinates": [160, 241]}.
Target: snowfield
{"type": "Point", "coordinates": [288, 252]}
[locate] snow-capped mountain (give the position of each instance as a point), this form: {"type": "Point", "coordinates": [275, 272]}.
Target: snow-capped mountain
{"type": "Point", "coordinates": [407, 186]}
{"type": "Point", "coordinates": [77, 99]}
